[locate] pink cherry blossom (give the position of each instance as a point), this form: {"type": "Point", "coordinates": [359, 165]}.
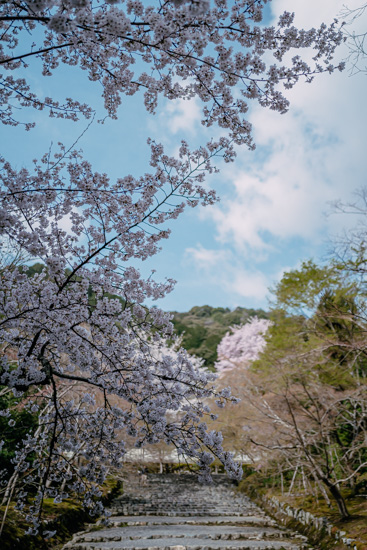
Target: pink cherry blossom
{"type": "Point", "coordinates": [242, 345]}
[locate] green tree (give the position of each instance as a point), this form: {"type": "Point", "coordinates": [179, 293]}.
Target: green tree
{"type": "Point", "coordinates": [303, 402]}
{"type": "Point", "coordinates": [315, 390]}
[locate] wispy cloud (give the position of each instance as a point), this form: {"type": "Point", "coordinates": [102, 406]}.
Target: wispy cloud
{"type": "Point", "coordinates": [181, 115]}
{"type": "Point", "coordinates": [205, 258]}
{"type": "Point", "coordinates": [221, 268]}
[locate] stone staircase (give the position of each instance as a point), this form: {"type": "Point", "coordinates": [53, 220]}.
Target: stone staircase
{"type": "Point", "coordinates": [175, 512]}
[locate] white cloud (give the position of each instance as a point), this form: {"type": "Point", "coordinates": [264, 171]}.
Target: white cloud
{"type": "Point", "coordinates": [312, 155]}
{"type": "Point", "coordinates": [313, 13]}
{"type": "Point", "coordinates": [247, 284]}
{"type": "Point", "coordinates": [206, 258]}
{"type": "Point", "coordinates": [182, 115]}
{"type": "Point", "coordinates": [223, 269]}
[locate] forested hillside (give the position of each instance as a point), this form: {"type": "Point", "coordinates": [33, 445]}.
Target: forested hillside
{"type": "Point", "coordinates": [203, 327]}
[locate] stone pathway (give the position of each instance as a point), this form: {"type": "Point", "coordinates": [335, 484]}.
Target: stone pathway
{"type": "Point", "coordinates": [175, 512]}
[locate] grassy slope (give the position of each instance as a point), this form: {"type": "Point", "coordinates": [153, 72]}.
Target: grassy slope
{"type": "Point", "coordinates": [67, 518]}
{"type": "Point", "coordinates": [355, 527]}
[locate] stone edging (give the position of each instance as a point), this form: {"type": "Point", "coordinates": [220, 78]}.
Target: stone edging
{"type": "Point", "coordinates": [308, 519]}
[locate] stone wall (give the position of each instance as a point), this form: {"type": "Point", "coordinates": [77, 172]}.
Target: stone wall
{"type": "Point", "coordinates": [320, 524]}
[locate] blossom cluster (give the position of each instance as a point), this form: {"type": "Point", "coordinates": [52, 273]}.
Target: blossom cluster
{"type": "Point", "coordinates": [215, 51]}
{"type": "Point", "coordinates": [242, 345]}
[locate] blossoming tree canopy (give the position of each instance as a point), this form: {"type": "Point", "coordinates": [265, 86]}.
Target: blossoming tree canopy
{"type": "Point", "coordinates": [242, 345]}
{"type": "Point", "coordinates": [77, 340]}
{"type": "Point", "coordinates": [213, 50]}
{"type": "Point", "coordinates": [75, 337]}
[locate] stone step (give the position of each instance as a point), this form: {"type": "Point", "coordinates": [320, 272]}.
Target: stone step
{"type": "Point", "coordinates": [262, 521]}
{"type": "Point", "coordinates": [178, 503]}
{"type": "Point", "coordinates": [173, 513]}
{"type": "Point", "coordinates": [177, 513]}
{"type": "Point", "coordinates": [210, 509]}
{"type": "Point", "coordinates": [161, 504]}
{"type": "Point", "coordinates": [213, 532]}
{"type": "Point", "coordinates": [187, 544]}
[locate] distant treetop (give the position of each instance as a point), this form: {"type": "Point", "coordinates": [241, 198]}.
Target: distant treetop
{"type": "Point", "coordinates": [203, 328]}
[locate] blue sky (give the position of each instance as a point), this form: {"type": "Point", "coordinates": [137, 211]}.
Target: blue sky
{"type": "Point", "coordinates": [273, 201]}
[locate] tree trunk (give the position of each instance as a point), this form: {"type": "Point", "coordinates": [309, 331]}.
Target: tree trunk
{"type": "Point", "coordinates": [8, 495]}
{"type": "Point", "coordinates": [324, 492]}
{"type": "Point", "coordinates": [292, 482]}
{"type": "Point", "coordinates": [335, 492]}
{"type": "Point", "coordinates": [10, 488]}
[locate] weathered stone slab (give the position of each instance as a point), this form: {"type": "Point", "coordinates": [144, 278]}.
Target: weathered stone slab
{"type": "Point", "coordinates": [193, 520]}
{"type": "Point", "coordinates": [187, 544]}
{"type": "Point", "coordinates": [229, 532]}
{"type": "Point", "coordinates": [177, 513]}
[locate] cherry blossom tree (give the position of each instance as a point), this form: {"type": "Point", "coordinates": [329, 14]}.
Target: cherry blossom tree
{"type": "Point", "coordinates": [242, 345]}
{"type": "Point", "coordinates": [82, 321]}
{"type": "Point", "coordinates": [77, 340]}
{"type": "Point", "coordinates": [177, 49]}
